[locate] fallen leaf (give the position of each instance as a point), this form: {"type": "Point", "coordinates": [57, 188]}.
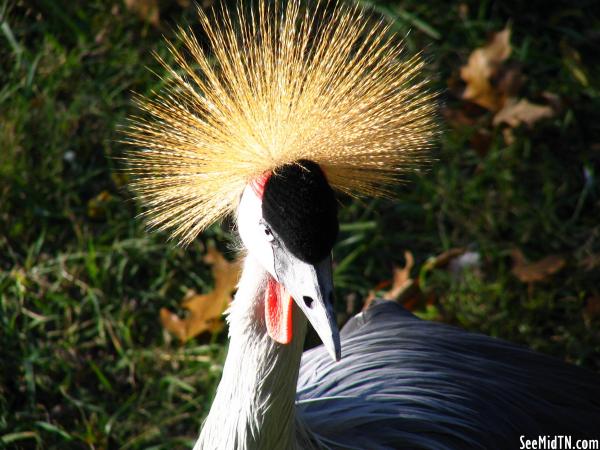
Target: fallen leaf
{"type": "Point", "coordinates": [147, 10]}
{"type": "Point", "coordinates": [403, 287]}
{"type": "Point", "coordinates": [171, 322]}
{"type": "Point", "coordinates": [205, 310]}
{"type": "Point", "coordinates": [516, 112]}
{"type": "Point", "coordinates": [408, 291]}
{"type": "Point", "coordinates": [483, 64]}
{"type": "Point", "coordinates": [401, 277]}
{"type": "Point", "coordinates": [532, 272]}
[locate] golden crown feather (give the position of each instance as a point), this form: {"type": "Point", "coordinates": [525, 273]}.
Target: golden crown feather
{"type": "Point", "coordinates": [284, 83]}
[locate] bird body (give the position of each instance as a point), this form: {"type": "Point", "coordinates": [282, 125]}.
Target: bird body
{"type": "Point", "coordinates": [402, 383]}
{"type": "Point", "coordinates": [407, 383]}
{"type": "Point", "coordinates": [298, 102]}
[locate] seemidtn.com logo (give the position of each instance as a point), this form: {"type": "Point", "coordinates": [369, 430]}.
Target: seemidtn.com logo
{"type": "Point", "coordinates": [558, 442]}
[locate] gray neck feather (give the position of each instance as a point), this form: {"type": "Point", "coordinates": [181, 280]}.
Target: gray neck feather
{"type": "Point", "coordinates": [254, 407]}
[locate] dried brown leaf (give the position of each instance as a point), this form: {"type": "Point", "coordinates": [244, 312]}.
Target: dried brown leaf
{"type": "Point", "coordinates": [531, 272]}
{"type": "Point", "coordinates": [407, 291]}
{"type": "Point", "coordinates": [522, 111]}
{"type": "Point", "coordinates": [205, 310]}
{"type": "Point", "coordinates": [403, 287]}
{"type": "Point", "coordinates": [172, 323]}
{"type": "Point", "coordinates": [483, 64]}
{"type": "Point", "coordinates": [401, 277]}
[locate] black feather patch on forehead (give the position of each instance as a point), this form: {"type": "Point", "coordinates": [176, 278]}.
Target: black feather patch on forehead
{"type": "Point", "coordinates": [300, 207]}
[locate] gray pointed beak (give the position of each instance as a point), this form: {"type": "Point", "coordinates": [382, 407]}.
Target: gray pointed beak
{"type": "Point", "coordinates": [311, 287]}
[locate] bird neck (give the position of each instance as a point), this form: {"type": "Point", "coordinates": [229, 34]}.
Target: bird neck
{"type": "Point", "coordinates": [254, 406]}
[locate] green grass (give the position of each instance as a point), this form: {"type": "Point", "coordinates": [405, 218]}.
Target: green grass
{"type": "Point", "coordinates": [84, 361]}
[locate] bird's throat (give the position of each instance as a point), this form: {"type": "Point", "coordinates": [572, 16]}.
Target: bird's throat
{"type": "Point", "coordinates": [254, 407]}
{"type": "Point", "coordinates": [278, 312]}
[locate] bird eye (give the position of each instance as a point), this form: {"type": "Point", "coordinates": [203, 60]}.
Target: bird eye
{"type": "Point", "coordinates": [268, 233]}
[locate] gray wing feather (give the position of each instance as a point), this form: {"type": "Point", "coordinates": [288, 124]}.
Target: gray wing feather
{"type": "Point", "coordinates": [408, 383]}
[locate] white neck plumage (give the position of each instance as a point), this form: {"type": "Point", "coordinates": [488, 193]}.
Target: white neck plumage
{"type": "Point", "coordinates": [254, 407]}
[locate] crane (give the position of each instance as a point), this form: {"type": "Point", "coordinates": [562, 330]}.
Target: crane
{"type": "Point", "coordinates": [303, 101]}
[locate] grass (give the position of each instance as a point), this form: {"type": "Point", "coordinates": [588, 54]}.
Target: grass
{"type": "Point", "coordinates": [84, 361]}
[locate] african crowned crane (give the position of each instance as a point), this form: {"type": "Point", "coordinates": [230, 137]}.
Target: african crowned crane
{"type": "Point", "coordinates": [300, 103]}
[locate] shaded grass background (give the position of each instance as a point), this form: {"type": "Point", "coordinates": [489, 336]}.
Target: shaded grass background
{"type": "Point", "coordinates": [84, 362]}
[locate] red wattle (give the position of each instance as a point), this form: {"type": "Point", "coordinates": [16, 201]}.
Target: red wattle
{"type": "Point", "coordinates": [278, 312]}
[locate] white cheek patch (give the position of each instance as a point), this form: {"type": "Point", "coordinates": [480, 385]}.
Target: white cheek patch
{"type": "Point", "coordinates": [251, 230]}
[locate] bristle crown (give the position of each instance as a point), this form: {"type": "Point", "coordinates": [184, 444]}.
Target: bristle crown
{"type": "Point", "coordinates": [323, 83]}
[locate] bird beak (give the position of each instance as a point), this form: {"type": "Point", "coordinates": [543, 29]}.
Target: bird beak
{"type": "Point", "coordinates": [311, 287]}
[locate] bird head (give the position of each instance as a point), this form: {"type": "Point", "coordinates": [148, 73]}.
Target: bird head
{"type": "Point", "coordinates": [287, 219]}
{"type": "Point", "coordinates": [292, 100]}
